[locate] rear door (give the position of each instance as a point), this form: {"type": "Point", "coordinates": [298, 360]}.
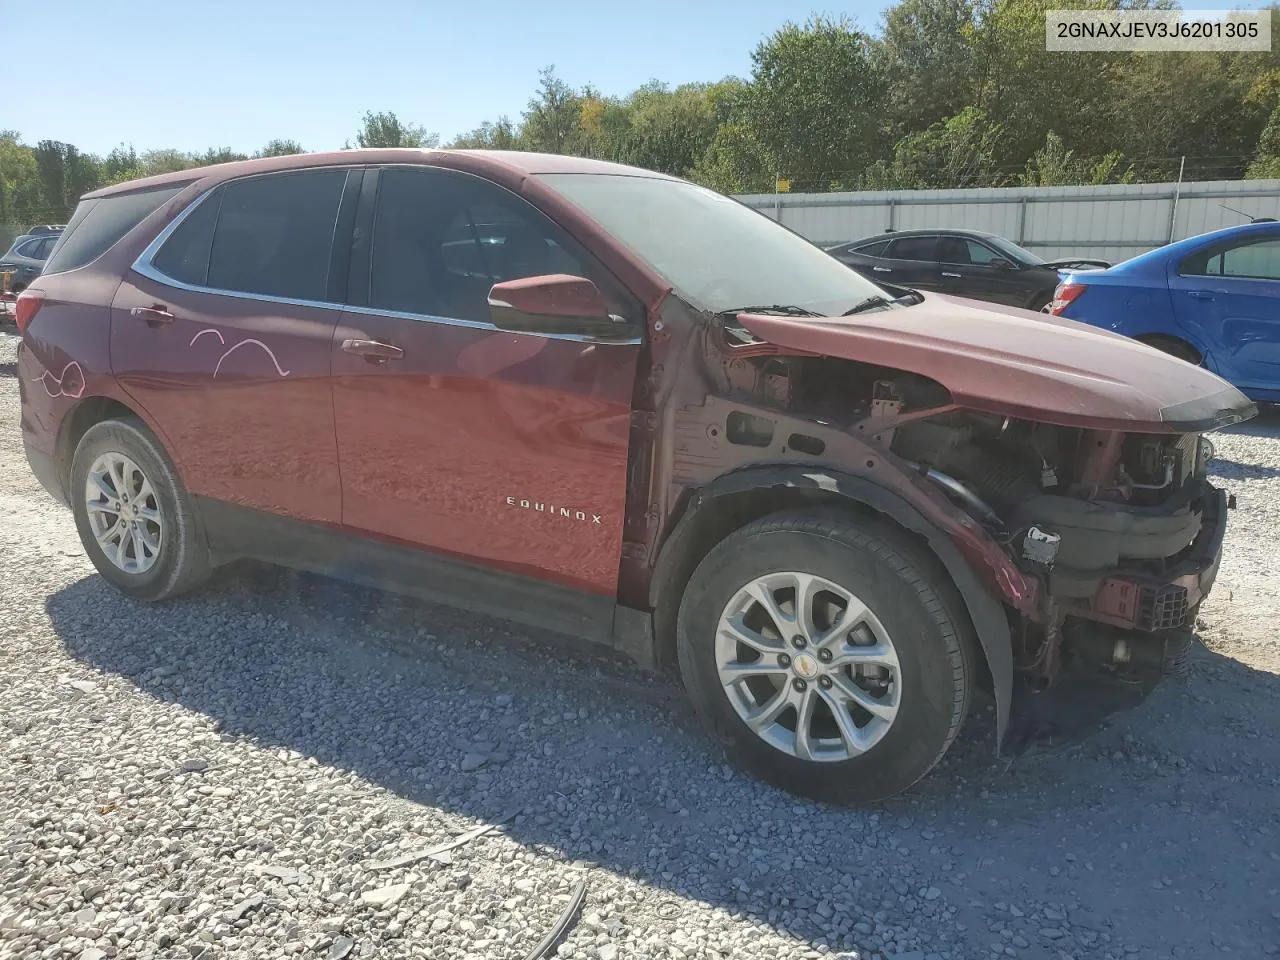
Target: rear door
{"type": "Point", "coordinates": [912, 262]}
{"type": "Point", "coordinates": [1228, 298]}
{"type": "Point", "coordinates": [501, 448]}
{"type": "Point", "coordinates": [222, 333]}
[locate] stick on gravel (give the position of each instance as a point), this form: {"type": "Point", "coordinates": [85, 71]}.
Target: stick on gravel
{"type": "Point", "coordinates": [405, 859]}
{"type": "Point", "coordinates": [562, 925]}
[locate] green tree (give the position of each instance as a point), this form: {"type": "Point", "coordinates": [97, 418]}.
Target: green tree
{"type": "Point", "coordinates": [20, 199]}
{"type": "Point", "coordinates": [1054, 165]}
{"type": "Point", "coordinates": [499, 135]}
{"type": "Point", "coordinates": [64, 173]}
{"type": "Point", "coordinates": [927, 59]}
{"type": "Point", "coordinates": [164, 161]}
{"type": "Point", "coordinates": [280, 148]}
{"type": "Point", "coordinates": [960, 151]}
{"type": "Point", "coordinates": [386, 130]}
{"type": "Point", "coordinates": [120, 164]}
{"type": "Point", "coordinates": [216, 155]}
{"type": "Point", "coordinates": [815, 104]}
{"type": "Point", "coordinates": [552, 121]}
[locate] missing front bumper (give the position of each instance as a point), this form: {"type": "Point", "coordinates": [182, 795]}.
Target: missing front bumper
{"type": "Point", "coordinates": [1154, 602]}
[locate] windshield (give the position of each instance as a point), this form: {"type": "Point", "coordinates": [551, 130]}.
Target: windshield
{"type": "Point", "coordinates": [1013, 251]}
{"type": "Point", "coordinates": [715, 252]}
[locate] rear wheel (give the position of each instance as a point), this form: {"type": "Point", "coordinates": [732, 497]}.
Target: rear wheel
{"type": "Point", "coordinates": [1175, 348]}
{"type": "Point", "coordinates": [825, 655]}
{"type": "Point", "coordinates": [134, 517]}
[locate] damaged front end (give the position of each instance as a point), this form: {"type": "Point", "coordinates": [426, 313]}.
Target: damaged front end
{"type": "Point", "coordinates": [1068, 466]}
{"type": "Point", "coordinates": [1121, 533]}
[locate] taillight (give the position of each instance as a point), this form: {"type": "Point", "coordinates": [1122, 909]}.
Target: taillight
{"type": "Point", "coordinates": [1063, 295]}
{"type": "Point", "coordinates": [26, 307]}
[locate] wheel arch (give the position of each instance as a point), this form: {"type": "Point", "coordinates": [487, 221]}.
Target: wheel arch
{"type": "Point", "coordinates": [1155, 338]}
{"type": "Point", "coordinates": [76, 422]}
{"type": "Point", "coordinates": [735, 499]}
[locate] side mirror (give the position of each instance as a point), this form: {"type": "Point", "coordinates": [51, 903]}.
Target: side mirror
{"type": "Point", "coordinates": [1004, 264]}
{"type": "Point", "coordinates": [554, 303]}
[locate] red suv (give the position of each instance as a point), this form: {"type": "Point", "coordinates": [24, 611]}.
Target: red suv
{"type": "Point", "coordinates": [616, 404]}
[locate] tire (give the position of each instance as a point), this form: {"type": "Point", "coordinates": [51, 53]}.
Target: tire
{"type": "Point", "coordinates": [915, 607]}
{"type": "Point", "coordinates": [1040, 304]}
{"type": "Point", "coordinates": [1175, 348]}
{"type": "Point", "coordinates": [181, 562]}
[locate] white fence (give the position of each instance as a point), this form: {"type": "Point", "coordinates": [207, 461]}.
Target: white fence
{"type": "Point", "coordinates": [1112, 222]}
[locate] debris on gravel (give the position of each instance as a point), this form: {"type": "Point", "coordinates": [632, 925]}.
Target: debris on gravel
{"type": "Point", "coordinates": [265, 770]}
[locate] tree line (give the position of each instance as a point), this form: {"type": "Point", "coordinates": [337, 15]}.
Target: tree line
{"type": "Point", "coordinates": [945, 93]}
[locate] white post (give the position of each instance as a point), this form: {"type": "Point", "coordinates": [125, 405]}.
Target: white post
{"type": "Point", "coordinates": [1177, 189]}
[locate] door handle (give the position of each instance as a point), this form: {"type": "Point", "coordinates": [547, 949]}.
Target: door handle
{"type": "Point", "coordinates": [1204, 294]}
{"type": "Point", "coordinates": [375, 351]}
{"type": "Point", "coordinates": [155, 316]}
{"type": "Point", "coordinates": [883, 269]}
{"type": "Point", "coordinates": [955, 275]}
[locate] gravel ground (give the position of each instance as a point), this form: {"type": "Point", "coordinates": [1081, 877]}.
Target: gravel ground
{"type": "Point", "coordinates": [229, 775]}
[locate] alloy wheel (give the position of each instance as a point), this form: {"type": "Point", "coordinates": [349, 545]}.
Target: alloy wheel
{"type": "Point", "coordinates": [124, 513]}
{"type": "Point", "coordinates": [808, 667]}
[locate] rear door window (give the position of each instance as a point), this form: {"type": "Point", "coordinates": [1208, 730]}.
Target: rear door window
{"type": "Point", "coordinates": [98, 224]}
{"type": "Point", "coordinates": [914, 248]}
{"type": "Point", "coordinates": [274, 235]}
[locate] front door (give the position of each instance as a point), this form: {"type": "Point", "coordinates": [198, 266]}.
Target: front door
{"type": "Point", "coordinates": [1229, 300]}
{"type": "Point", "coordinates": [502, 448]}
{"type": "Point", "coordinates": [222, 334]}
{"type": "Point", "coordinates": [968, 268]}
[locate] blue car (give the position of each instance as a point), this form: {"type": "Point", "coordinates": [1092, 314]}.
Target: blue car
{"type": "Point", "coordinates": [1212, 300]}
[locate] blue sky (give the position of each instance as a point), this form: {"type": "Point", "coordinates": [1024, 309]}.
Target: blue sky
{"type": "Point", "coordinates": [193, 74]}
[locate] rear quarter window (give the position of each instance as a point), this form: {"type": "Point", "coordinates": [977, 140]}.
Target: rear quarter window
{"type": "Point", "coordinates": [876, 249]}
{"type": "Point", "coordinates": [98, 224]}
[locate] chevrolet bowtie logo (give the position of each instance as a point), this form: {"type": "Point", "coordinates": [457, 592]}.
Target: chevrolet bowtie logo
{"type": "Point", "coordinates": [568, 513]}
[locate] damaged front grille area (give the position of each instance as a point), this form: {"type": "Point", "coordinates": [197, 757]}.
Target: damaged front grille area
{"type": "Point", "coordinates": [1113, 524]}
{"type": "Point", "coordinates": [1163, 608]}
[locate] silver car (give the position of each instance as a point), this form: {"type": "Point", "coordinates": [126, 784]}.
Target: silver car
{"type": "Point", "coordinates": [27, 255]}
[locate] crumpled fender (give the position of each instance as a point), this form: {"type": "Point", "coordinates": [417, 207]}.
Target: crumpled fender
{"type": "Point", "coordinates": [985, 611]}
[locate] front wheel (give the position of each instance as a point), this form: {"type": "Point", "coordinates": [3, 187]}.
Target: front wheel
{"type": "Point", "coordinates": [827, 655]}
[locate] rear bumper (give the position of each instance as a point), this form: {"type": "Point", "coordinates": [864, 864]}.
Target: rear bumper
{"type": "Point", "coordinates": [45, 469]}
{"type": "Point", "coordinates": [1167, 601]}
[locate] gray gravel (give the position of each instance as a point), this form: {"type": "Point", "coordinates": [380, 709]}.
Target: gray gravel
{"type": "Point", "coordinates": [260, 771]}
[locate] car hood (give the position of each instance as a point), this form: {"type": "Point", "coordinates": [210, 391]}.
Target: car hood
{"type": "Point", "coordinates": [1017, 363]}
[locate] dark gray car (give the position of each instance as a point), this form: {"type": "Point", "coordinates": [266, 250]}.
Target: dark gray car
{"type": "Point", "coordinates": [27, 255]}
{"type": "Point", "coordinates": [965, 263]}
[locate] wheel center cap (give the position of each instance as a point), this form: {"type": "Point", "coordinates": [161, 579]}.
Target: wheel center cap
{"type": "Point", "coordinates": [805, 666]}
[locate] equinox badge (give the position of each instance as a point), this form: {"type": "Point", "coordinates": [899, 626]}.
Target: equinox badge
{"type": "Point", "coordinates": [569, 513]}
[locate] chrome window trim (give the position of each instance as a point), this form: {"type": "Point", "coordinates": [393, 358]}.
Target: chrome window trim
{"type": "Point", "coordinates": [143, 266]}
{"type": "Point", "coordinates": [492, 328]}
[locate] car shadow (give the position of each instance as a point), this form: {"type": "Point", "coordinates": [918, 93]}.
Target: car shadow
{"type": "Point", "coordinates": [399, 692]}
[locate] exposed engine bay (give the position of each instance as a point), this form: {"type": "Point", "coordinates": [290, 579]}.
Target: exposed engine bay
{"type": "Point", "coordinates": [1116, 527]}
